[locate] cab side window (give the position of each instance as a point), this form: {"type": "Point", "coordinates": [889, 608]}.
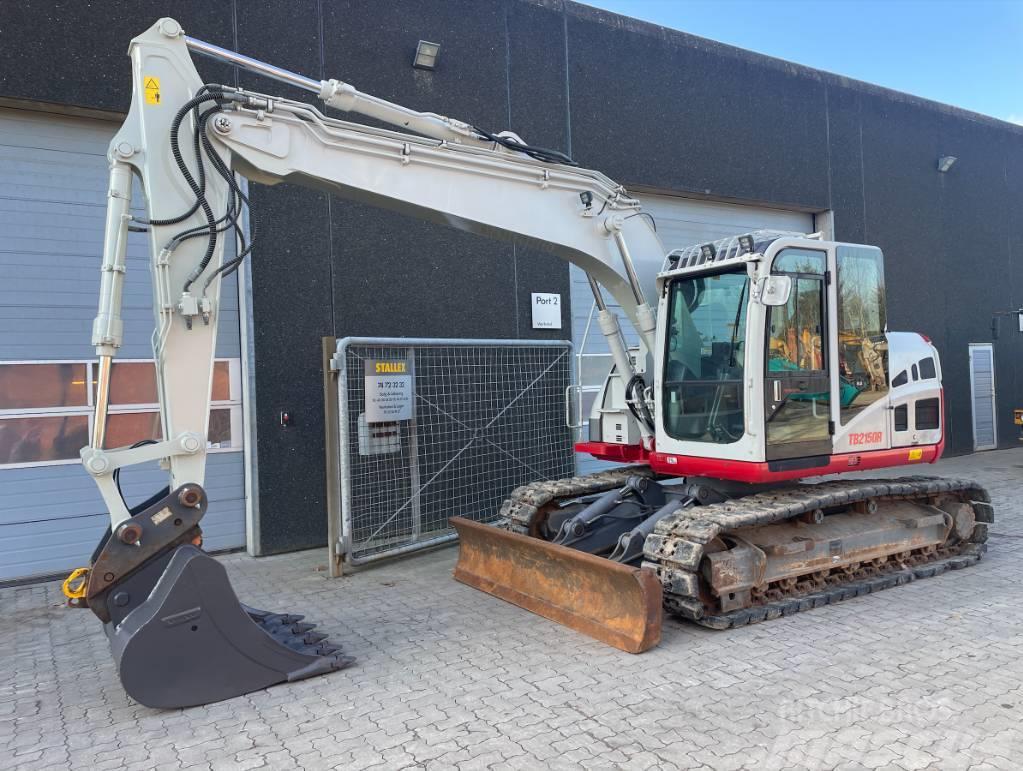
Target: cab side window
{"type": "Point", "coordinates": [795, 340]}
{"type": "Point", "coordinates": [795, 343]}
{"type": "Point", "coordinates": [862, 345]}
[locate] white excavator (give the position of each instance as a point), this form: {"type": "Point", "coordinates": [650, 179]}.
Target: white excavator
{"type": "Point", "coordinates": [767, 361]}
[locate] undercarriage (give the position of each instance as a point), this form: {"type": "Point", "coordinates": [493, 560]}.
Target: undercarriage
{"type": "Point", "coordinates": [726, 556]}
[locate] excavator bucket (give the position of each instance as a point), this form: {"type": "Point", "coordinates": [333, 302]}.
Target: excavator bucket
{"type": "Point", "coordinates": [609, 601]}
{"type": "Point", "coordinates": [178, 634]}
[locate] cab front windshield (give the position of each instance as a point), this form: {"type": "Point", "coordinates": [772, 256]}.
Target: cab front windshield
{"type": "Point", "coordinates": [704, 357]}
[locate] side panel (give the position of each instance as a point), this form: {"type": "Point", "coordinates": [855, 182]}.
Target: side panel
{"type": "Point", "coordinates": [916, 411]}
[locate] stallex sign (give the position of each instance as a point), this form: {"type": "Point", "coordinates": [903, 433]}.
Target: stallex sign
{"type": "Point", "coordinates": [389, 391]}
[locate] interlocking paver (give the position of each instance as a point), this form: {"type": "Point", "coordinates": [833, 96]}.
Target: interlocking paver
{"type": "Point", "coordinates": [928, 675]}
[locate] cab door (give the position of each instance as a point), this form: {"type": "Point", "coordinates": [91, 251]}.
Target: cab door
{"type": "Point", "coordinates": [797, 377]}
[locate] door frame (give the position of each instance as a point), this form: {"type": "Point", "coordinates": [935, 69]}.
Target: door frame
{"type": "Point", "coordinates": [994, 399]}
{"type": "Point", "coordinates": [810, 447]}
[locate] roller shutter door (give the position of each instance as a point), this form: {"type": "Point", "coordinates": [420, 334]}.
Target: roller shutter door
{"type": "Point", "coordinates": [53, 178]}
{"type": "Point", "coordinates": [982, 392]}
{"type": "Point", "coordinates": [680, 222]}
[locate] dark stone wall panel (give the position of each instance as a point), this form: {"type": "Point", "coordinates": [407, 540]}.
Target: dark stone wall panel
{"type": "Point", "coordinates": [74, 53]}
{"type": "Point", "coordinates": [845, 159]}
{"type": "Point", "coordinates": [976, 264]}
{"type": "Point", "coordinates": [291, 313]}
{"type": "Point", "coordinates": [398, 276]}
{"type": "Point", "coordinates": [647, 110]}
{"type": "Point", "coordinates": [284, 34]}
{"type": "Point", "coordinates": [371, 45]}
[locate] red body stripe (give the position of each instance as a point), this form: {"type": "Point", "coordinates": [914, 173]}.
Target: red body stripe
{"type": "Point", "coordinates": [754, 473]}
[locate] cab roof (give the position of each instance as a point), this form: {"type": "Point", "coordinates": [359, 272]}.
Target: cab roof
{"type": "Point", "coordinates": [724, 249]}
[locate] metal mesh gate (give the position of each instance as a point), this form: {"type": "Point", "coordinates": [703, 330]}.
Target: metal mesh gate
{"type": "Point", "coordinates": [431, 429]}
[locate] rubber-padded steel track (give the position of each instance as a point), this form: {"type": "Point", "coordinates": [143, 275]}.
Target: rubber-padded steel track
{"type": "Point", "coordinates": [521, 508]}
{"type": "Point", "coordinates": [676, 548]}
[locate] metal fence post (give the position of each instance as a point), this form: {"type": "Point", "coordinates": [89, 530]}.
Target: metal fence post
{"type": "Point", "coordinates": [331, 428]}
{"type": "Point", "coordinates": [413, 451]}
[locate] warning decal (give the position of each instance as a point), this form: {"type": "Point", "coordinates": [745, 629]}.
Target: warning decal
{"type": "Point", "coordinates": [152, 86]}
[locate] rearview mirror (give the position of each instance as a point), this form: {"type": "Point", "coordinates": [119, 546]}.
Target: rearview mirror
{"type": "Point", "coordinates": [775, 290]}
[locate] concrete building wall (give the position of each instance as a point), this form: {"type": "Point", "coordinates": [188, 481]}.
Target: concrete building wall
{"type": "Point", "coordinates": [651, 107]}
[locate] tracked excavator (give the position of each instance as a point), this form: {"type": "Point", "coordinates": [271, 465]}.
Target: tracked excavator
{"type": "Point", "coordinates": [767, 361]}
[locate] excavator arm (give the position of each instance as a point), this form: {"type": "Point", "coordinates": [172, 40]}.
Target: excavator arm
{"type": "Point", "coordinates": [185, 142]}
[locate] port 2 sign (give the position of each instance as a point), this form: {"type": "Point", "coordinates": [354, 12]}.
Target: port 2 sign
{"type": "Point", "coordinates": [546, 310]}
{"type": "Point", "coordinates": [389, 390]}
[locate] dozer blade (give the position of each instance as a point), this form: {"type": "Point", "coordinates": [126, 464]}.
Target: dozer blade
{"type": "Point", "coordinates": [611, 602]}
{"type": "Point", "coordinates": [191, 642]}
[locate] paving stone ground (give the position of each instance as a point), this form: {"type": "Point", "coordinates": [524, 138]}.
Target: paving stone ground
{"type": "Point", "coordinates": [929, 675]}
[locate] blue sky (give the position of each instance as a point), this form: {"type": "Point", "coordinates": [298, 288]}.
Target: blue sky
{"type": "Point", "coordinates": [969, 54]}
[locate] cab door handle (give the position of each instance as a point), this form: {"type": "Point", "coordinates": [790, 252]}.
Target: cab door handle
{"type": "Point", "coordinates": [777, 390]}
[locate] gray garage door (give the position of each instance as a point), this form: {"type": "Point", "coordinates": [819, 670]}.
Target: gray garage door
{"type": "Point", "coordinates": [680, 222]}
{"type": "Point", "coordinates": [53, 181]}
{"type": "Point", "coordinates": [982, 391]}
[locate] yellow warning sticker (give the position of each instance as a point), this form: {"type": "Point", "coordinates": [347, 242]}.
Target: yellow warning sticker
{"type": "Point", "coordinates": [916, 454]}
{"type": "Point", "coordinates": [152, 89]}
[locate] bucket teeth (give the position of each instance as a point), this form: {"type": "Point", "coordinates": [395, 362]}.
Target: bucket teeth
{"type": "Point", "coordinates": [267, 618]}
{"type": "Point", "coordinates": [293, 632]}
{"type": "Point", "coordinates": [298, 636]}
{"type": "Point", "coordinates": [288, 630]}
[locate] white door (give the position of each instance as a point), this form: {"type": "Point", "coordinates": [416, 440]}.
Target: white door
{"type": "Point", "coordinates": [680, 222]}
{"type": "Point", "coordinates": [53, 178]}
{"type": "Point", "coordinates": [982, 396]}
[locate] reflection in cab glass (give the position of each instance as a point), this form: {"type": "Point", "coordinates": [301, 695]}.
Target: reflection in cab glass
{"type": "Point", "coordinates": [704, 358]}
{"type": "Point", "coordinates": [862, 346]}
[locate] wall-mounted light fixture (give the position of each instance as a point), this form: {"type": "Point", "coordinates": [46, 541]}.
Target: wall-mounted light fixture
{"type": "Point", "coordinates": [997, 314]}
{"type": "Point", "coordinates": [945, 162]}
{"type": "Point", "coordinates": [426, 55]}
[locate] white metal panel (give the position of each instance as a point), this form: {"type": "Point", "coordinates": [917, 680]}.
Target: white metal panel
{"type": "Point", "coordinates": [53, 181]}
{"type": "Point", "coordinates": [982, 393]}
{"type": "Point", "coordinates": [680, 222]}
